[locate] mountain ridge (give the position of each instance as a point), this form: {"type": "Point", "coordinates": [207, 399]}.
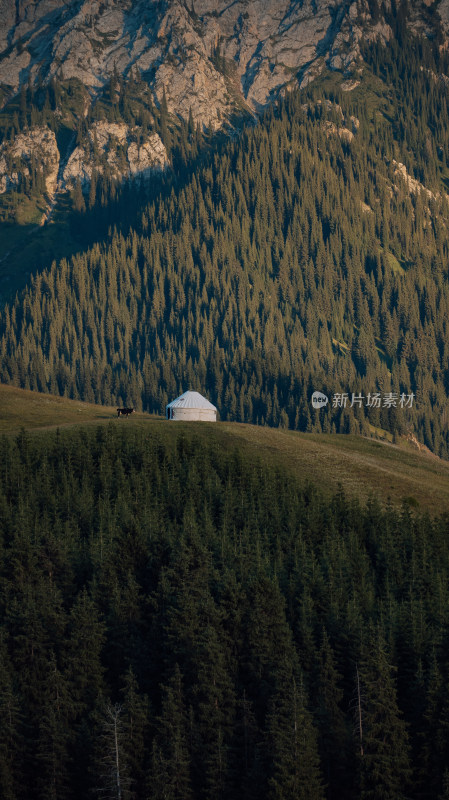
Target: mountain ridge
{"type": "Point", "coordinates": [293, 259]}
{"type": "Point", "coordinates": [85, 63]}
{"type": "Point", "coordinates": [193, 51]}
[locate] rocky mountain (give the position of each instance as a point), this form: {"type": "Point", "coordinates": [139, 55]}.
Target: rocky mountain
{"type": "Point", "coordinates": [114, 146]}
{"type": "Point", "coordinates": [207, 54]}
{"type": "Point", "coordinates": [38, 145]}
{"type": "Point", "coordinates": [124, 156]}
{"type": "Point", "coordinates": [201, 59]}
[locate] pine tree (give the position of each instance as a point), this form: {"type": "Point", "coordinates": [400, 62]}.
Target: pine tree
{"type": "Point", "coordinates": [385, 770]}
{"type": "Point", "coordinates": [333, 735]}
{"type": "Point", "coordinates": [170, 773]}
{"type": "Point", "coordinates": [111, 779]}
{"type": "Point", "coordinates": [11, 726]}
{"type": "Point", "coordinates": [292, 742]}
{"type": "Point", "coordinates": [77, 198]}
{"type": "Point", "coordinates": [135, 731]}
{"type": "Point", "coordinates": [83, 657]}
{"type": "Point", "coordinates": [53, 777]}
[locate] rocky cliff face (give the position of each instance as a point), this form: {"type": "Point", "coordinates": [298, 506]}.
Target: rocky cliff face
{"type": "Point", "coordinates": [209, 57]}
{"type": "Point", "coordinates": [114, 147]}
{"type": "Point", "coordinates": [108, 147]}
{"type": "Point", "coordinates": [36, 149]}
{"type": "Point", "coordinates": [208, 54]}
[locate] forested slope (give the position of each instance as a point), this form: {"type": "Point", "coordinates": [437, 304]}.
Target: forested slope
{"type": "Point", "coordinates": [300, 258]}
{"type": "Point", "coordinates": [393, 473]}
{"type": "Point", "coordinates": [206, 618]}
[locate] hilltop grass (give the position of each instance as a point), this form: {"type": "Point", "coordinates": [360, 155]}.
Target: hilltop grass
{"type": "Point", "coordinates": [20, 408]}
{"type": "Point", "coordinates": [363, 467]}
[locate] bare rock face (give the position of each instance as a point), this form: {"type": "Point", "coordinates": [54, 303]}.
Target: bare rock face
{"type": "Point", "coordinates": [36, 148]}
{"type": "Point", "coordinates": [114, 147]}
{"type": "Point", "coordinates": [8, 17]}
{"type": "Point", "coordinates": [355, 25]}
{"type": "Point", "coordinates": [345, 127]}
{"type": "Point", "coordinates": [146, 158]}
{"type": "Point", "coordinates": [414, 186]}
{"type": "Point", "coordinates": [207, 54]}
{"type": "Point", "coordinates": [443, 11]}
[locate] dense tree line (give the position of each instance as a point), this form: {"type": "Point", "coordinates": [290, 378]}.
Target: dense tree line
{"type": "Point", "coordinates": [176, 609]}
{"type": "Point", "coordinates": [60, 106]}
{"type": "Point", "coordinates": [295, 259]}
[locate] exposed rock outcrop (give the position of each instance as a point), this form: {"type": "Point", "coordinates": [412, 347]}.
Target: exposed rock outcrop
{"type": "Point", "coordinates": [36, 148]}
{"type": "Point", "coordinates": [414, 186]}
{"type": "Point", "coordinates": [344, 127]}
{"type": "Point", "coordinates": [115, 147]}
{"type": "Point", "coordinates": [112, 147]}
{"type": "Point", "coordinates": [443, 12]}
{"type": "Point", "coordinates": [355, 25]}
{"type": "Point", "coordinates": [208, 54]}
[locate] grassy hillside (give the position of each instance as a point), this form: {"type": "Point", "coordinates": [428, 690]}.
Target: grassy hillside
{"type": "Point", "coordinates": [362, 466]}
{"type": "Point", "coordinates": [20, 408]}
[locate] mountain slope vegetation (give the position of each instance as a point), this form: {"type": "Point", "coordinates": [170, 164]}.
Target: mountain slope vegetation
{"type": "Point", "coordinates": [303, 256]}
{"type": "Point", "coordinates": [394, 474]}
{"type": "Point", "coordinates": [63, 202]}
{"type": "Point", "coordinates": [203, 621]}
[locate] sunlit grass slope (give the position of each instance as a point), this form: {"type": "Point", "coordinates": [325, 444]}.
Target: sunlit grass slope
{"type": "Point", "coordinates": [20, 408]}
{"type": "Point", "coordinates": [362, 466]}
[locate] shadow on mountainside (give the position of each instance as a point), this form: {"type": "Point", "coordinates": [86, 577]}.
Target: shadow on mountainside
{"type": "Point", "coordinates": [26, 250]}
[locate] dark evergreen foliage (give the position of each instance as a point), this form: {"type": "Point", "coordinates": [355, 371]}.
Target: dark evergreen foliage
{"type": "Point", "coordinates": [180, 621]}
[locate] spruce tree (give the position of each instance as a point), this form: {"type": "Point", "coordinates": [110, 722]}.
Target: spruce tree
{"type": "Point", "coordinates": [385, 769]}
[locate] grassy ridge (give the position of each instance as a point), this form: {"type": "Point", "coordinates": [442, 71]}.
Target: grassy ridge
{"type": "Point", "coordinates": [20, 408]}
{"type": "Point", "coordinates": [362, 466]}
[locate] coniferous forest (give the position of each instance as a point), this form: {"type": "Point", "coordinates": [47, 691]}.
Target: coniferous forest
{"type": "Point", "coordinates": [297, 257]}
{"type": "Point", "coordinates": [179, 620]}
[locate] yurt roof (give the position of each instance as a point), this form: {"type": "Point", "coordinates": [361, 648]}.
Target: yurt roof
{"type": "Point", "coordinates": [191, 400]}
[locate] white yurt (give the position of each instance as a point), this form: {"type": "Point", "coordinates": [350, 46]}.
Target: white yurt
{"type": "Point", "coordinates": [191, 406]}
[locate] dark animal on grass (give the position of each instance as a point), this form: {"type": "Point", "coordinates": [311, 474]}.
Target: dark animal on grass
{"type": "Point", "coordinates": [125, 412]}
